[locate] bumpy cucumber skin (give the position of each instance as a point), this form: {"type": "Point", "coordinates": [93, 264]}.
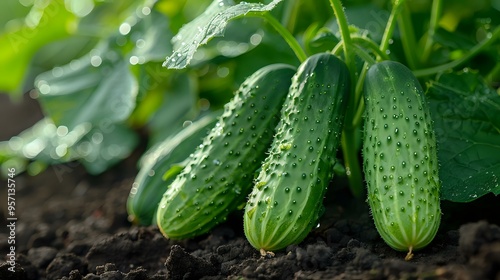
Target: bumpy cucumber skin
{"type": "Point", "coordinates": [149, 184]}
{"type": "Point", "coordinates": [286, 201]}
{"type": "Point", "coordinates": [220, 173]}
{"type": "Point", "coordinates": [400, 158]}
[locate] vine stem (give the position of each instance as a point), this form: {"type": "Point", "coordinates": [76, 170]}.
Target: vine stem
{"type": "Point", "coordinates": [369, 44]}
{"type": "Point", "coordinates": [384, 46]}
{"type": "Point", "coordinates": [391, 25]}
{"type": "Point", "coordinates": [361, 41]}
{"type": "Point", "coordinates": [287, 36]}
{"type": "Point", "coordinates": [437, 6]}
{"type": "Point", "coordinates": [338, 9]}
{"type": "Point", "coordinates": [349, 148]}
{"type": "Point", "coordinates": [452, 64]}
{"type": "Point", "coordinates": [354, 120]}
{"type": "Point", "coordinates": [289, 18]}
{"type": "Point", "coordinates": [408, 37]}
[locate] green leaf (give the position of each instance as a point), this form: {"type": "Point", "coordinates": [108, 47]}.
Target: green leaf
{"type": "Point", "coordinates": [97, 148]}
{"type": "Point", "coordinates": [11, 10]}
{"type": "Point", "coordinates": [211, 23]}
{"type": "Point", "coordinates": [107, 16]}
{"type": "Point", "coordinates": [18, 44]}
{"type": "Point", "coordinates": [467, 125]}
{"type": "Point", "coordinates": [97, 88]}
{"type": "Point", "coordinates": [105, 146]}
{"type": "Point", "coordinates": [56, 54]}
{"type": "Point", "coordinates": [240, 37]}
{"type": "Point", "coordinates": [45, 142]}
{"type": "Point", "coordinates": [179, 102]}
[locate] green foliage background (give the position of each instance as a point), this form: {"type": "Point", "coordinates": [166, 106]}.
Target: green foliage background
{"type": "Point", "coordinates": [95, 67]}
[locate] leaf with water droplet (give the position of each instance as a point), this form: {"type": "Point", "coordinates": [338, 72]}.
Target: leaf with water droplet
{"type": "Point", "coordinates": [212, 23]}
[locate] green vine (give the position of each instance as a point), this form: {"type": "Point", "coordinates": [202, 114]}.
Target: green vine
{"type": "Point", "coordinates": [408, 37]}
{"type": "Point", "coordinates": [382, 54]}
{"type": "Point", "coordinates": [349, 136]}
{"type": "Point", "coordinates": [370, 45]}
{"type": "Point", "coordinates": [452, 64]}
{"type": "Point", "coordinates": [287, 36]}
{"type": "Point", "coordinates": [437, 6]}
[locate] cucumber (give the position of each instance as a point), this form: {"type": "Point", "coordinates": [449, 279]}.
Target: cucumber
{"type": "Point", "coordinates": [159, 168]}
{"type": "Point", "coordinates": [400, 158]}
{"type": "Point", "coordinates": [286, 200]}
{"type": "Point", "coordinates": [219, 174]}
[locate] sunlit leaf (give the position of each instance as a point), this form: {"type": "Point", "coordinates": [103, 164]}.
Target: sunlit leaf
{"type": "Point", "coordinates": [467, 125]}
{"type": "Point", "coordinates": [56, 54]}
{"type": "Point", "coordinates": [211, 23]}
{"type": "Point", "coordinates": [46, 142]}
{"type": "Point", "coordinates": [22, 40]}
{"type": "Point", "coordinates": [97, 148]}
{"type": "Point", "coordinates": [103, 147]}
{"type": "Point", "coordinates": [97, 88]}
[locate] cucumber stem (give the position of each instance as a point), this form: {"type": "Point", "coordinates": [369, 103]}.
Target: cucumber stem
{"type": "Point", "coordinates": [384, 46]}
{"type": "Point", "coordinates": [350, 151]}
{"type": "Point", "coordinates": [364, 55]}
{"type": "Point", "coordinates": [351, 162]}
{"type": "Point", "coordinates": [289, 17]}
{"type": "Point", "coordinates": [437, 6]}
{"type": "Point", "coordinates": [409, 255]}
{"type": "Point", "coordinates": [370, 45]}
{"type": "Point", "coordinates": [390, 26]}
{"type": "Point", "coordinates": [408, 37]}
{"type": "Point", "coordinates": [287, 36]}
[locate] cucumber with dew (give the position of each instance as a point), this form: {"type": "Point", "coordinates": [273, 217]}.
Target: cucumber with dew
{"type": "Point", "coordinates": [287, 197]}
{"type": "Point", "coordinates": [219, 174]}
{"type": "Point", "coordinates": [400, 158]}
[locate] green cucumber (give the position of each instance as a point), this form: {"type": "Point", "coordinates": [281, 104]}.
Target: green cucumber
{"type": "Point", "coordinates": [159, 168]}
{"type": "Point", "coordinates": [400, 158]}
{"type": "Point", "coordinates": [219, 174]}
{"type": "Point", "coordinates": [287, 197]}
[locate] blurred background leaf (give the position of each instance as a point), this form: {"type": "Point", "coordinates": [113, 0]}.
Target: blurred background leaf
{"type": "Point", "coordinates": [98, 87]}
{"type": "Point", "coordinates": [98, 64]}
{"type": "Point", "coordinates": [47, 21]}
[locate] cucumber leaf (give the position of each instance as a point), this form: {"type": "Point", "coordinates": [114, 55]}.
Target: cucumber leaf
{"type": "Point", "coordinates": [212, 23]}
{"type": "Point", "coordinates": [97, 88]}
{"type": "Point", "coordinates": [20, 40]}
{"type": "Point", "coordinates": [103, 147]}
{"type": "Point", "coordinates": [466, 113]}
{"type": "Point", "coordinates": [43, 144]}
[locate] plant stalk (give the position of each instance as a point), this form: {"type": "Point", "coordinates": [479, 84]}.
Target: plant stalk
{"type": "Point", "coordinates": [408, 37]}
{"type": "Point", "coordinates": [384, 46]}
{"type": "Point", "coordinates": [287, 36]}
{"type": "Point", "coordinates": [437, 6]}
{"type": "Point", "coordinates": [289, 18]}
{"type": "Point", "coordinates": [349, 135]}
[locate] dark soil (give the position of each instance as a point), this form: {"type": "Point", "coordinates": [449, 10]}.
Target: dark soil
{"type": "Point", "coordinates": [74, 226]}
